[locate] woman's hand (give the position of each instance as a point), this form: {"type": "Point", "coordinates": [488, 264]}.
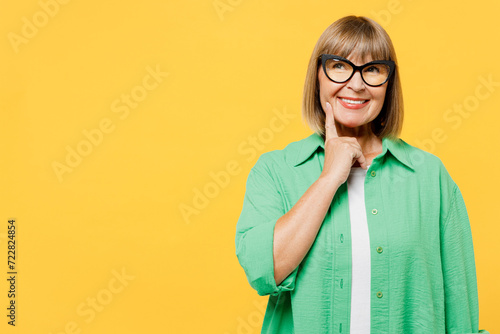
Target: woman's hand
{"type": "Point", "coordinates": [340, 152]}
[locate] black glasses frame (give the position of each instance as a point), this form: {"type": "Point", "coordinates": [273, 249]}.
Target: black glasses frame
{"type": "Point", "coordinates": [390, 63]}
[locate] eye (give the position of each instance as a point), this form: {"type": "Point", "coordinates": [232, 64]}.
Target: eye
{"type": "Point", "coordinates": [372, 69]}
{"type": "Point", "coordinates": [337, 65]}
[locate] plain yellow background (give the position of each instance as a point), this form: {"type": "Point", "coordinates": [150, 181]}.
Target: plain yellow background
{"type": "Point", "coordinates": [142, 203]}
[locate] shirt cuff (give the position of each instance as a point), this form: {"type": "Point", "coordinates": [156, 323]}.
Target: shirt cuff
{"type": "Point", "coordinates": [255, 253]}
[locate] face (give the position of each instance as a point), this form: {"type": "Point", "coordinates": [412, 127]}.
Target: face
{"type": "Point", "coordinates": [354, 103]}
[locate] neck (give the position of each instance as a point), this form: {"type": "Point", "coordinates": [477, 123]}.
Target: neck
{"type": "Point", "coordinates": [370, 143]}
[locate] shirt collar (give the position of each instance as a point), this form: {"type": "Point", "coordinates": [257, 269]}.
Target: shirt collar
{"type": "Point", "coordinates": [396, 146]}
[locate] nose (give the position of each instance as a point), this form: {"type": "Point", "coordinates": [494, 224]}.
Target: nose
{"type": "Point", "coordinates": [356, 82]}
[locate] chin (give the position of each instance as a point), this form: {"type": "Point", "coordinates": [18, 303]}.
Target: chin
{"type": "Point", "coordinates": [351, 123]}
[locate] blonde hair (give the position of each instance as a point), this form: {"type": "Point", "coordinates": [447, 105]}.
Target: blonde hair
{"type": "Point", "coordinates": [366, 38]}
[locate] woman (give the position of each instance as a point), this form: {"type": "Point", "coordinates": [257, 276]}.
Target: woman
{"type": "Point", "coordinates": [352, 230]}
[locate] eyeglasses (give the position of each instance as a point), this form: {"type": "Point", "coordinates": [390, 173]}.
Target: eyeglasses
{"type": "Point", "coordinates": [340, 70]}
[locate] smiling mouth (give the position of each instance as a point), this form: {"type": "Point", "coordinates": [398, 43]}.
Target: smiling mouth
{"type": "Point", "coordinates": [357, 101]}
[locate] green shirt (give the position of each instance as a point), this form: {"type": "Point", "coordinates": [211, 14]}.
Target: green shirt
{"type": "Point", "coordinates": [423, 274]}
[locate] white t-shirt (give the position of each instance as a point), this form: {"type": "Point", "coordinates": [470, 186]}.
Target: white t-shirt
{"type": "Point", "coordinates": [361, 268]}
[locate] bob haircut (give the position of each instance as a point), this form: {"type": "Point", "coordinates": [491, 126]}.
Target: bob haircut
{"type": "Point", "coordinates": [365, 38]}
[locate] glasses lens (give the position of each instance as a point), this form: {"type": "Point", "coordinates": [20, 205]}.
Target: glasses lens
{"type": "Point", "coordinates": [376, 74]}
{"type": "Point", "coordinates": [338, 70]}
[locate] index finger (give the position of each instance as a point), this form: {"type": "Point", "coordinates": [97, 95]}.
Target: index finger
{"type": "Point", "coordinates": [330, 128]}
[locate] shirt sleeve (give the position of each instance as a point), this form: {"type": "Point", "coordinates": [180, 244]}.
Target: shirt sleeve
{"type": "Point", "coordinates": [262, 207]}
{"type": "Point", "coordinates": [459, 270]}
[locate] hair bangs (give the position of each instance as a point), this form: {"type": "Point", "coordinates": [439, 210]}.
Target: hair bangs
{"type": "Point", "coordinates": [362, 40]}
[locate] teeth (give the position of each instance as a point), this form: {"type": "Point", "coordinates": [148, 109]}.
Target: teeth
{"type": "Point", "coordinates": [353, 102]}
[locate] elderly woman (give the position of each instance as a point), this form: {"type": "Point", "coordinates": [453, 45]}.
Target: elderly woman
{"type": "Point", "coordinates": [353, 230]}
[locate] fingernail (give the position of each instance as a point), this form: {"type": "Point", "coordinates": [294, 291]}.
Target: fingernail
{"type": "Point", "coordinates": [327, 104]}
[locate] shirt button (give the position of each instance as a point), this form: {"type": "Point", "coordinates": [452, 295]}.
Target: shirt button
{"type": "Point", "coordinates": [379, 294]}
{"type": "Point", "coordinates": [374, 211]}
{"type": "Point", "coordinates": [373, 173]}
{"type": "Point", "coordinates": [380, 249]}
